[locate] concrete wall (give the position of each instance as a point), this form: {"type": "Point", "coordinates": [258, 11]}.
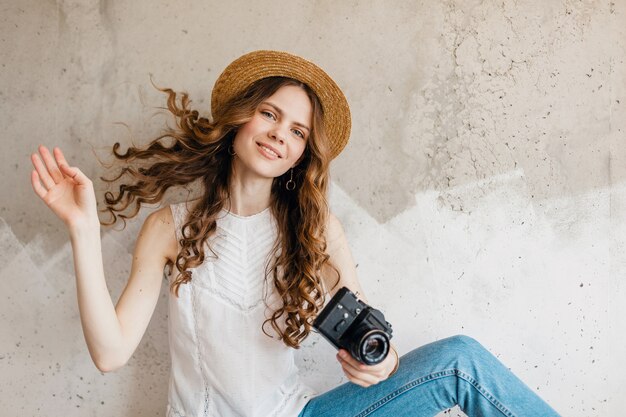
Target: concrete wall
{"type": "Point", "coordinates": [483, 190]}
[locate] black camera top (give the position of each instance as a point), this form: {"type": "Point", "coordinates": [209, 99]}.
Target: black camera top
{"type": "Point", "coordinates": [348, 323]}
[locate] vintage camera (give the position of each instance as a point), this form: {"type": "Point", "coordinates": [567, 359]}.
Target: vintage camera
{"type": "Point", "coordinates": [349, 323]}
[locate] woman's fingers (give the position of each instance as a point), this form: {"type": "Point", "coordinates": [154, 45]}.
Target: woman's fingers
{"type": "Point", "coordinates": [51, 164]}
{"type": "Point", "coordinates": [50, 171]}
{"type": "Point", "coordinates": [357, 372]}
{"type": "Point", "coordinates": [42, 172]}
{"type": "Point", "coordinates": [39, 190]}
{"type": "Point", "coordinates": [72, 172]}
{"type": "Point", "coordinates": [376, 370]}
{"type": "Point", "coordinates": [347, 360]}
{"type": "Point", "coordinates": [60, 157]}
{"type": "Point", "coordinates": [75, 174]}
{"type": "Point", "coordinates": [359, 378]}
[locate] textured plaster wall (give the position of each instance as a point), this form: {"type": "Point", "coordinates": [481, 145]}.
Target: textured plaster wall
{"type": "Point", "coordinates": [483, 190]}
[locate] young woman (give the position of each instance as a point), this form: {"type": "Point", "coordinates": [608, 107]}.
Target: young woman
{"type": "Point", "coordinates": [252, 261]}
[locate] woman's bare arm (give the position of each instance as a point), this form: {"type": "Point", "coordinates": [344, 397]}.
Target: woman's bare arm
{"type": "Point", "coordinates": [341, 258]}
{"type": "Point", "coordinates": [112, 333]}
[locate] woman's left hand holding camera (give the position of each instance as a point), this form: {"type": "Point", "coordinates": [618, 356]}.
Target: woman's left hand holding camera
{"type": "Point", "coordinates": [366, 375]}
{"type": "Point", "coordinates": [342, 261]}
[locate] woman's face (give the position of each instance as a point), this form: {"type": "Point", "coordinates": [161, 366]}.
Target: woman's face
{"type": "Point", "coordinates": [274, 139]}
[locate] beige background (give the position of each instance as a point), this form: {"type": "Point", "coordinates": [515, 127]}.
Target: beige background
{"type": "Point", "coordinates": [483, 189]}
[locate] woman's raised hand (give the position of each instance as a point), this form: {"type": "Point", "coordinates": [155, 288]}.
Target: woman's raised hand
{"type": "Point", "coordinates": [66, 190]}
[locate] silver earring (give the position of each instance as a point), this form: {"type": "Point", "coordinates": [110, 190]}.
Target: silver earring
{"type": "Point", "coordinates": [291, 184]}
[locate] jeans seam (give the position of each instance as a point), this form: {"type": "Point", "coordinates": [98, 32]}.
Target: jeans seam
{"type": "Point", "coordinates": [485, 393]}
{"type": "Point", "coordinates": [431, 377]}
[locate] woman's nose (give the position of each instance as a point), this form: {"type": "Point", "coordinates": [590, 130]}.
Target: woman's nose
{"type": "Point", "coordinates": [278, 134]}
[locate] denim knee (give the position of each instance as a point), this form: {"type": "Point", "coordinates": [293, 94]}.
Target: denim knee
{"type": "Point", "coordinates": [455, 352]}
{"type": "Point", "coordinates": [459, 351]}
{"type": "Point", "coordinates": [461, 341]}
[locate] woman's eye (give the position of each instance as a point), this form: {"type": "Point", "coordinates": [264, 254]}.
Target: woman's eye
{"type": "Point", "coordinates": [267, 114]}
{"type": "Point", "coordinates": [298, 133]}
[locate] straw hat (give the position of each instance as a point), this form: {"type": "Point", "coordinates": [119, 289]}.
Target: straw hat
{"type": "Point", "coordinates": [253, 66]}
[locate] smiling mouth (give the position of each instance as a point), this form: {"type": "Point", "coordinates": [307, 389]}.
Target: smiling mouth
{"type": "Point", "coordinates": [269, 150]}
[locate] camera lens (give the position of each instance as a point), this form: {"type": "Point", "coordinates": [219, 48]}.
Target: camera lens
{"type": "Point", "coordinates": [373, 347]}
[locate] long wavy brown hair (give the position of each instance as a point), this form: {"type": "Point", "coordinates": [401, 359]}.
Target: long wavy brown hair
{"type": "Point", "coordinates": [197, 149]}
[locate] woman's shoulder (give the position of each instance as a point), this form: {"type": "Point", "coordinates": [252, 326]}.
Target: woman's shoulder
{"type": "Point", "coordinates": [334, 229]}
{"type": "Point", "coordinates": [181, 210]}
{"type": "Point", "coordinates": [160, 225]}
{"type": "Point", "coordinates": [163, 216]}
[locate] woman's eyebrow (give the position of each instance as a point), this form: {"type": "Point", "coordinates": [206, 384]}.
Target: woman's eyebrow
{"type": "Point", "coordinates": [280, 112]}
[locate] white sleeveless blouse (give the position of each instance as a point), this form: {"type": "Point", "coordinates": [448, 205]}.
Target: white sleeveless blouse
{"type": "Point", "coordinates": [223, 364]}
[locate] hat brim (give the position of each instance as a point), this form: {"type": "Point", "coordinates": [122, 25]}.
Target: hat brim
{"type": "Point", "coordinates": [253, 66]}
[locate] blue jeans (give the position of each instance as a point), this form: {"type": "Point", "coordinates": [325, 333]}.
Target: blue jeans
{"type": "Point", "coordinates": [433, 378]}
